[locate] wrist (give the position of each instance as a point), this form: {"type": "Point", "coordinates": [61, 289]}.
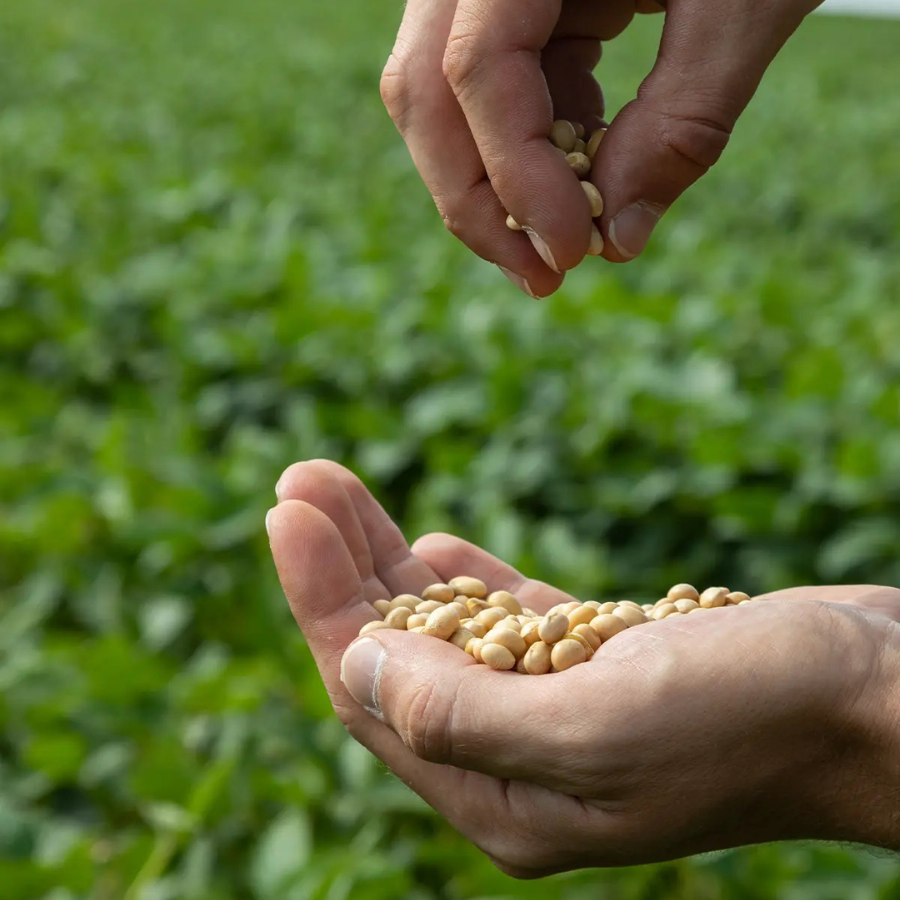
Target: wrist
{"type": "Point", "coordinates": [865, 805]}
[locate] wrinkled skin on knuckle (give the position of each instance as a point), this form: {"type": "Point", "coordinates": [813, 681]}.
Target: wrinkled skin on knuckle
{"type": "Point", "coordinates": [428, 723]}
{"type": "Point", "coordinates": [697, 139]}
{"type": "Point", "coordinates": [395, 89]}
{"type": "Point", "coordinates": [453, 219]}
{"type": "Point", "coordinates": [463, 59]}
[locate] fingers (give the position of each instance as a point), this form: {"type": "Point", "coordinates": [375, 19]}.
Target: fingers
{"type": "Point", "coordinates": [493, 64]}
{"type": "Point", "coordinates": [384, 561]}
{"type": "Point", "coordinates": [870, 597]}
{"type": "Point", "coordinates": [319, 578]}
{"type": "Point", "coordinates": [449, 556]}
{"type": "Point", "coordinates": [711, 60]}
{"type": "Point", "coordinates": [314, 483]}
{"type": "Point", "coordinates": [425, 111]}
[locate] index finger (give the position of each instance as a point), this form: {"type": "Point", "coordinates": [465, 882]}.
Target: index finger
{"type": "Point", "coordinates": [493, 64]}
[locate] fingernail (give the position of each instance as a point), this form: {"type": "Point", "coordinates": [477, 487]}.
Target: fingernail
{"type": "Point", "coordinates": [543, 250]}
{"type": "Point", "coordinates": [518, 281]}
{"type": "Point", "coordinates": [630, 230]}
{"type": "Point", "coordinates": [361, 673]}
{"type": "Point", "coordinates": [268, 517]}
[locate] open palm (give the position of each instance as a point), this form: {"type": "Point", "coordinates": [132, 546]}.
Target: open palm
{"type": "Point", "coordinates": [672, 740]}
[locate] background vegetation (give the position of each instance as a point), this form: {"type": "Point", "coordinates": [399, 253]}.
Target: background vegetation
{"type": "Point", "coordinates": [216, 259]}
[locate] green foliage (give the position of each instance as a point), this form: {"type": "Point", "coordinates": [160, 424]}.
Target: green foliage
{"type": "Point", "coordinates": [199, 285]}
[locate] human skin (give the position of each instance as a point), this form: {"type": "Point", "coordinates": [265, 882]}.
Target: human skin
{"type": "Point", "coordinates": [770, 721]}
{"type": "Point", "coordinates": [474, 85]}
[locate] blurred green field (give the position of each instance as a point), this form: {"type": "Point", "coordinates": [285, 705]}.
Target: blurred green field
{"type": "Point", "coordinates": [216, 259]}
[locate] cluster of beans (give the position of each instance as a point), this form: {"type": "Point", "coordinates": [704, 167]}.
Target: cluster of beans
{"type": "Point", "coordinates": [495, 629]}
{"type": "Point", "coordinates": [569, 139]}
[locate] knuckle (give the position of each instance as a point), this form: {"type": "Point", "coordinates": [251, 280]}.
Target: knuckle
{"type": "Point", "coordinates": [453, 219]}
{"type": "Point", "coordinates": [700, 140]}
{"type": "Point", "coordinates": [463, 59]}
{"type": "Point", "coordinates": [395, 89]}
{"type": "Point", "coordinates": [429, 723]}
{"type": "Point", "coordinates": [515, 857]}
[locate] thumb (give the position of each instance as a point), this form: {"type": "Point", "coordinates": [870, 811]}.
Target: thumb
{"type": "Point", "coordinates": [711, 60]}
{"type": "Point", "coordinates": [448, 709]}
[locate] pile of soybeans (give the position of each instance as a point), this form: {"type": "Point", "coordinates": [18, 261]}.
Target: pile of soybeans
{"type": "Point", "coordinates": [579, 149]}
{"type": "Point", "coordinates": [496, 630]}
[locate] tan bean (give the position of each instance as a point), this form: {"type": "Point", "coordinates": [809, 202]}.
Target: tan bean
{"type": "Point", "coordinates": [512, 224]}
{"type": "Point", "coordinates": [596, 245]}
{"type": "Point", "coordinates": [509, 639]}
{"type": "Point", "coordinates": [685, 605]}
{"type": "Point", "coordinates": [429, 606]}
{"type": "Point", "coordinates": [579, 130]}
{"type": "Point", "coordinates": [460, 608]}
{"type": "Point", "coordinates": [567, 653]}
{"type": "Point", "coordinates": [529, 632]}
{"type": "Point", "coordinates": [736, 597]}
{"type": "Point", "coordinates": [461, 637]}
{"type": "Point", "coordinates": [593, 144]}
{"type": "Point", "coordinates": [383, 607]}
{"type": "Point", "coordinates": [520, 666]}
{"type": "Point", "coordinates": [582, 615]}
{"type": "Point", "coordinates": [588, 634]}
{"type": "Point", "coordinates": [506, 600]}
{"type": "Point", "coordinates": [594, 604]}
{"type": "Point", "coordinates": [377, 625]}
{"type": "Point", "coordinates": [441, 623]}
{"type": "Point", "coordinates": [682, 592]}
{"type": "Point", "coordinates": [537, 659]}
{"type": "Point", "coordinates": [562, 135]}
{"type": "Point", "coordinates": [631, 616]}
{"type": "Point", "coordinates": [571, 606]}
{"type": "Point", "coordinates": [417, 630]}
{"type": "Point", "coordinates": [441, 592]}
{"type": "Point", "coordinates": [510, 623]}
{"type": "Point", "coordinates": [409, 601]}
{"type": "Point", "coordinates": [579, 164]}
{"type": "Point", "coordinates": [713, 597]}
{"type": "Point", "coordinates": [528, 611]}
{"type": "Point", "coordinates": [648, 607]}
{"type": "Point", "coordinates": [630, 603]}
{"type": "Point", "coordinates": [667, 609]}
{"type": "Point", "coordinates": [471, 587]}
{"type": "Point", "coordinates": [574, 636]}
{"type": "Point", "coordinates": [397, 618]}
{"type": "Point", "coordinates": [594, 198]}
{"type": "Point", "coordinates": [475, 606]}
{"type": "Point", "coordinates": [608, 625]}
{"type": "Point", "coordinates": [473, 648]}
{"type": "Point", "coordinates": [742, 602]}
{"type": "Point", "coordinates": [553, 628]}
{"type": "Point", "coordinates": [580, 146]}
{"type": "Point", "coordinates": [497, 657]}
{"type": "Point", "coordinates": [490, 617]}
{"type": "Point", "coordinates": [416, 620]}
{"type": "Point", "coordinates": [476, 628]}
{"type": "Point", "coordinates": [605, 609]}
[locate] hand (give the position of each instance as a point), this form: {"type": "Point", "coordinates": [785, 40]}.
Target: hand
{"type": "Point", "coordinates": [769, 721]}
{"type": "Point", "coordinates": [473, 86]}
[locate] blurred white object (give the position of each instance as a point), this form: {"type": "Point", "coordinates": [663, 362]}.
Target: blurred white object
{"type": "Point", "coordinates": [862, 7]}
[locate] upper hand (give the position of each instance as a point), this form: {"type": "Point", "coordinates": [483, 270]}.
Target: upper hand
{"type": "Point", "coordinates": [473, 86]}
{"type": "Point", "coordinates": [756, 723]}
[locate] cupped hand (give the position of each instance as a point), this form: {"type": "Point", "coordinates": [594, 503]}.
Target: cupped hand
{"type": "Point", "coordinates": [474, 85]}
{"type": "Point", "coordinates": [753, 723]}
